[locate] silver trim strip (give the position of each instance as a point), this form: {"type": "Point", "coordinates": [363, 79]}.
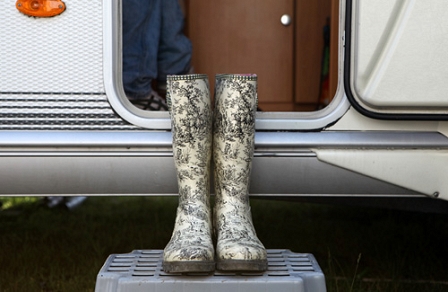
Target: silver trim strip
{"type": "Point", "coordinates": [334, 196]}
{"type": "Point", "coordinates": [85, 154]}
{"type": "Point", "coordinates": [85, 139]}
{"type": "Point", "coordinates": [264, 141]}
{"type": "Point", "coordinates": [341, 139]}
{"type": "Point", "coordinates": [277, 196]}
{"type": "Point", "coordinates": [30, 153]}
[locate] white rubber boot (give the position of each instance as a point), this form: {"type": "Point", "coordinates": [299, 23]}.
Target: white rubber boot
{"type": "Point", "coordinates": [238, 247]}
{"type": "Point", "coordinates": [191, 248]}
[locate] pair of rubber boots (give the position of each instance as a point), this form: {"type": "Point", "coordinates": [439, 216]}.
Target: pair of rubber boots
{"type": "Point", "coordinates": [231, 126]}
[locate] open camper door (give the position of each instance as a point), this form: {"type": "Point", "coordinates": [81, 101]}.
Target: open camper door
{"type": "Point", "coordinates": [396, 58]}
{"type": "Point", "coordinates": [395, 77]}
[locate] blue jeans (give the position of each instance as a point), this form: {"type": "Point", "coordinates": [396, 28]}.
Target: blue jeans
{"type": "Point", "coordinates": [153, 44]}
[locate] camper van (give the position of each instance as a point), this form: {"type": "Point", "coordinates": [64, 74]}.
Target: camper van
{"type": "Point", "coordinates": [353, 99]}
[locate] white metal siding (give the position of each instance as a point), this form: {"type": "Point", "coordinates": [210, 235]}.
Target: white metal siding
{"type": "Point", "coordinates": [56, 54]}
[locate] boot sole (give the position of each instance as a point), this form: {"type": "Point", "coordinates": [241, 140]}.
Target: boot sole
{"type": "Point", "coordinates": [242, 265]}
{"type": "Point", "coordinates": [188, 267]}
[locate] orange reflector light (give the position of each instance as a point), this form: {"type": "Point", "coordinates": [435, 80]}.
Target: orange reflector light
{"type": "Point", "coordinates": [40, 8]}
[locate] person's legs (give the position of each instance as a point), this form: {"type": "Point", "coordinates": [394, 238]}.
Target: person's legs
{"type": "Point", "coordinates": [142, 22]}
{"type": "Point", "coordinates": [174, 54]}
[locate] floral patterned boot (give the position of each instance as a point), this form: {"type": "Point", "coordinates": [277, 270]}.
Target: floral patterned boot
{"type": "Point", "coordinates": [191, 248]}
{"type": "Point", "coordinates": [238, 247]}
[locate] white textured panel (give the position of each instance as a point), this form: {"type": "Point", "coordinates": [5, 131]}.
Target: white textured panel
{"type": "Point", "coordinates": [57, 54]}
{"type": "Point", "coordinates": [401, 53]}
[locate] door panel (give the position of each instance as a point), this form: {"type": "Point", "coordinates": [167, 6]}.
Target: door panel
{"type": "Point", "coordinates": [234, 36]}
{"type": "Point", "coordinates": [398, 56]}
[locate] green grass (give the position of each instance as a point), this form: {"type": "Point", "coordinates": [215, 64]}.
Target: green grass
{"type": "Point", "coordinates": [359, 249]}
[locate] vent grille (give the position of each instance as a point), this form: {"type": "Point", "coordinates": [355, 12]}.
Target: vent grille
{"type": "Point", "coordinates": [44, 111]}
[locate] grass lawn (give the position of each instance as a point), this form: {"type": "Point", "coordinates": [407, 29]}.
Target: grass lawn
{"type": "Point", "coordinates": [359, 249]}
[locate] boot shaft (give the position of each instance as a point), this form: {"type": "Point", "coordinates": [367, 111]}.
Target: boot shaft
{"type": "Point", "coordinates": [233, 133]}
{"type": "Point", "coordinates": [191, 123]}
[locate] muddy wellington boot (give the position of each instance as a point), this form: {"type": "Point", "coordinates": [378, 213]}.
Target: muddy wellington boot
{"type": "Point", "coordinates": [238, 247]}
{"type": "Point", "coordinates": [191, 248]}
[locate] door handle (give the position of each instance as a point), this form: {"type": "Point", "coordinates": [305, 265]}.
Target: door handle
{"type": "Point", "coordinates": [286, 19]}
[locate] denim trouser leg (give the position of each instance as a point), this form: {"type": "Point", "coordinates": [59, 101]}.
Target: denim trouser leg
{"type": "Point", "coordinates": [153, 44]}
{"type": "Point", "coordinates": [141, 34]}
{"type": "Point", "coordinates": [175, 48]}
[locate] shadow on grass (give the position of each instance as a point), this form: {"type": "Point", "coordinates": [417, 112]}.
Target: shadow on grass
{"type": "Point", "coordinates": [359, 249]}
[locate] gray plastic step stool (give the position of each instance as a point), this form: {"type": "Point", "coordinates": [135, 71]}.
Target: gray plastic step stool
{"type": "Point", "coordinates": [141, 271]}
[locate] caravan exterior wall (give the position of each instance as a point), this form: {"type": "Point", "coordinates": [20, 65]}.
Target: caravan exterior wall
{"type": "Point", "coordinates": [66, 127]}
